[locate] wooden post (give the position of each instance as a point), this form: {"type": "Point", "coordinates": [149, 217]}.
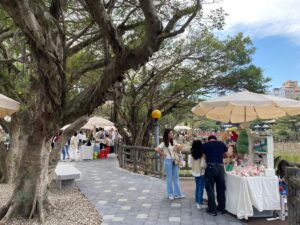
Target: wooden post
{"type": "Point", "coordinates": [135, 159]}
{"type": "Point", "coordinates": [292, 176]}
{"type": "Point", "coordinates": [161, 173]}
{"type": "Point", "coordinates": [121, 150]}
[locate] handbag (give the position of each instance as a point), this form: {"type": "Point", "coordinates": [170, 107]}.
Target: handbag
{"type": "Point", "coordinates": [176, 160]}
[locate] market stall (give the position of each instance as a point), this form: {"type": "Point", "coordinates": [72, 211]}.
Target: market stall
{"type": "Point", "coordinates": [251, 184]}
{"type": "Point", "coordinates": [246, 193]}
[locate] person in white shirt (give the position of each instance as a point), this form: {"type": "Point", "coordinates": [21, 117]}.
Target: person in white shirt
{"type": "Point", "coordinates": [74, 146]}
{"type": "Point", "coordinates": [168, 149]}
{"type": "Point", "coordinates": [198, 170]}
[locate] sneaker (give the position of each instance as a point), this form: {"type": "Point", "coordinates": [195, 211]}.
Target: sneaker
{"type": "Point", "coordinates": [181, 196]}
{"type": "Point", "coordinates": [198, 206]}
{"type": "Point", "coordinates": [203, 206]}
{"type": "Point", "coordinates": [171, 198]}
{"type": "Point", "coordinates": [211, 213]}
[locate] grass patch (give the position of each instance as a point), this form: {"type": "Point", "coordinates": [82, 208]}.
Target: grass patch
{"type": "Point", "coordinates": [291, 157]}
{"type": "Point", "coordinates": [185, 173]}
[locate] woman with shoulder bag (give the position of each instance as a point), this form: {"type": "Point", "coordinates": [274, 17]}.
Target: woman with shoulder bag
{"type": "Point", "coordinates": [198, 169]}
{"type": "Point", "coordinates": [167, 150]}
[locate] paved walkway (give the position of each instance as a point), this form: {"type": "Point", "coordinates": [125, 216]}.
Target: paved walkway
{"type": "Point", "coordinates": [122, 197]}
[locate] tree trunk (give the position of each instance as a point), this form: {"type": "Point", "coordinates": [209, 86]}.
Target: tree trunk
{"type": "Point", "coordinates": [3, 156]}
{"type": "Point", "coordinates": [14, 153]}
{"type": "Point", "coordinates": [30, 197]}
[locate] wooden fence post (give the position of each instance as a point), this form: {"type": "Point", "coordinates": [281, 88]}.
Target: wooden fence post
{"type": "Point", "coordinates": [161, 168]}
{"type": "Point", "coordinates": [292, 176]}
{"type": "Point", "coordinates": [135, 159]}
{"type": "Point", "coordinates": [121, 150]}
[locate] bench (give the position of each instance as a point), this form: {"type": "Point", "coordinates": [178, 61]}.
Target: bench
{"type": "Point", "coordinates": [65, 175]}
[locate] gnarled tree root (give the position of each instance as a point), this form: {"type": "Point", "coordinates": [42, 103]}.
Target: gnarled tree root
{"type": "Point", "coordinates": [40, 206]}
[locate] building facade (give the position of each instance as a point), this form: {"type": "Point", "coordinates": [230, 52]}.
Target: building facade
{"type": "Point", "coordinates": [290, 89]}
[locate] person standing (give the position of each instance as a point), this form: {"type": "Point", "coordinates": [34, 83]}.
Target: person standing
{"type": "Point", "coordinates": [65, 151]}
{"type": "Point", "coordinates": [167, 150]}
{"type": "Point", "coordinates": [215, 151]}
{"type": "Point", "coordinates": [74, 146]}
{"type": "Point", "coordinates": [198, 169]}
{"type": "Point", "coordinates": [113, 139]}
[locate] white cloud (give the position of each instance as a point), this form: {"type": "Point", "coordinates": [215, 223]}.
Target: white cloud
{"type": "Point", "coordinates": [261, 18]}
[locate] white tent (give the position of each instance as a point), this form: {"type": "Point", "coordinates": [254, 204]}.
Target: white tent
{"type": "Point", "coordinates": [8, 106]}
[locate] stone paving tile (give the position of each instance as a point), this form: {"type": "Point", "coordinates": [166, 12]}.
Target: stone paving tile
{"type": "Point", "coordinates": [122, 197]}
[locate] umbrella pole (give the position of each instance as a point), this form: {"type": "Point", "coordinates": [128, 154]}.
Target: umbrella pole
{"type": "Point", "coordinates": [245, 114]}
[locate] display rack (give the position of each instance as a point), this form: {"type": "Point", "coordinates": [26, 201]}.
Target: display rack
{"type": "Point", "coordinates": [261, 151]}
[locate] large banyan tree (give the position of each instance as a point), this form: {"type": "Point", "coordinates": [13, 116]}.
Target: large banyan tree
{"type": "Point", "coordinates": [60, 59]}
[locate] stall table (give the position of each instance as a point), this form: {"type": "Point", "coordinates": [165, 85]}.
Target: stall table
{"type": "Point", "coordinates": [87, 152]}
{"type": "Point", "coordinates": [243, 194]}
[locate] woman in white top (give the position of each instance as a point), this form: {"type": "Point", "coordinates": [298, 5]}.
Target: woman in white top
{"type": "Point", "coordinates": [74, 146]}
{"type": "Point", "coordinates": [198, 169]}
{"type": "Point", "coordinates": [167, 149]}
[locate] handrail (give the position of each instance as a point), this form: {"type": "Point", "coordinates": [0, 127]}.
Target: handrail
{"type": "Point", "coordinates": [145, 160]}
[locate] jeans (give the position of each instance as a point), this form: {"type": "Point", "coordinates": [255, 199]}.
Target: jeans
{"type": "Point", "coordinates": [63, 151]}
{"type": "Point", "coordinates": [172, 173]}
{"type": "Point", "coordinates": [66, 148]}
{"type": "Point", "coordinates": [214, 174]}
{"type": "Point", "coordinates": [199, 189]}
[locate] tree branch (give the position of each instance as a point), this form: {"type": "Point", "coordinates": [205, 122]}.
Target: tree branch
{"type": "Point", "coordinates": [55, 9]}
{"type": "Point", "coordinates": [5, 35]}
{"type": "Point", "coordinates": [99, 14]}
{"type": "Point", "coordinates": [193, 10]}
{"type": "Point", "coordinates": [73, 50]}
{"type": "Point", "coordinates": [75, 76]}
{"type": "Point", "coordinates": [77, 36]}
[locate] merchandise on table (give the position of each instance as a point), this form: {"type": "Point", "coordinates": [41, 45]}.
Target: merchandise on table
{"type": "Point", "coordinates": [259, 160]}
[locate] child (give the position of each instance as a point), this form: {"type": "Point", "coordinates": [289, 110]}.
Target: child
{"type": "Point", "coordinates": [198, 169]}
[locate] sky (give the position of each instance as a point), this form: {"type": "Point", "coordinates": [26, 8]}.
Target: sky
{"type": "Point", "coordinates": [274, 27]}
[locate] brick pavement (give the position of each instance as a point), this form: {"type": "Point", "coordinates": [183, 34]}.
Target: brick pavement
{"type": "Point", "coordinates": [122, 197]}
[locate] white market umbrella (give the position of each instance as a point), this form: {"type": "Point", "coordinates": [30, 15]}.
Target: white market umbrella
{"type": "Point", "coordinates": [97, 121]}
{"type": "Point", "coordinates": [177, 128]}
{"type": "Point", "coordinates": [247, 106]}
{"type": "Point", "coordinates": [65, 127]}
{"type": "Point", "coordinates": [108, 128]}
{"type": "Point", "coordinates": [8, 106]}
{"type": "Point", "coordinates": [257, 126]}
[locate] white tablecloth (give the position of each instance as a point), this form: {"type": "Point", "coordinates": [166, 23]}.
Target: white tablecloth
{"type": "Point", "coordinates": [244, 193]}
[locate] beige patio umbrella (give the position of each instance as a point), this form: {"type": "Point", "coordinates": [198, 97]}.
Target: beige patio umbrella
{"type": "Point", "coordinates": [247, 106]}
{"type": "Point", "coordinates": [97, 121]}
{"type": "Point", "coordinates": [8, 106]}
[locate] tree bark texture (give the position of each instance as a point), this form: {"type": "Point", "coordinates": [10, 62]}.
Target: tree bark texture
{"type": "Point", "coordinates": [3, 156]}
{"type": "Point", "coordinates": [29, 197]}
{"type": "Point", "coordinates": [292, 175]}
{"type": "Point", "coordinates": [14, 154]}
